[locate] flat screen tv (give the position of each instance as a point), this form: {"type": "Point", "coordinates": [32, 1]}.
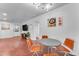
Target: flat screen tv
{"type": "Point", "coordinates": [25, 27]}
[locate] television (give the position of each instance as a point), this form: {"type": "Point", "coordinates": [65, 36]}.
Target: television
{"type": "Point", "coordinates": [25, 27]}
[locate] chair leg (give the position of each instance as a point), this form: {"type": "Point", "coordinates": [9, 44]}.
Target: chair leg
{"type": "Point", "coordinates": [35, 53]}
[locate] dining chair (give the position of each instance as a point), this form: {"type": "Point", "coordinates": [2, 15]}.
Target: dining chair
{"type": "Point", "coordinates": [44, 36]}
{"type": "Point", "coordinates": [66, 47]}
{"type": "Point", "coordinates": [29, 43]}
{"type": "Point", "coordinates": [34, 48]}
{"type": "Point", "coordinates": [23, 36]}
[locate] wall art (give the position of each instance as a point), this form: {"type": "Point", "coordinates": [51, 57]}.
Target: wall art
{"type": "Point", "coordinates": [5, 26]}
{"type": "Point", "coordinates": [52, 22]}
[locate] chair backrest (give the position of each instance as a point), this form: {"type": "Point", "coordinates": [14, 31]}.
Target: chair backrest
{"type": "Point", "coordinates": [23, 36]}
{"type": "Point", "coordinates": [44, 36]}
{"type": "Point", "coordinates": [69, 43]}
{"type": "Point", "coordinates": [29, 43]}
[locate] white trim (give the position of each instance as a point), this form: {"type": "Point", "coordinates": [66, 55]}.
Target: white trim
{"type": "Point", "coordinates": [66, 47]}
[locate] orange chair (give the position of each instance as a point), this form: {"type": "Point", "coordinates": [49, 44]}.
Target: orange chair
{"type": "Point", "coordinates": [67, 46]}
{"type": "Point", "coordinates": [23, 36]}
{"type": "Point", "coordinates": [44, 36]}
{"type": "Point", "coordinates": [69, 43]}
{"type": "Point", "coordinates": [29, 43]}
{"type": "Point", "coordinates": [34, 48]}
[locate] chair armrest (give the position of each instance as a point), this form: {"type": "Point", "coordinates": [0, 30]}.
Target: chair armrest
{"type": "Point", "coordinates": [66, 47]}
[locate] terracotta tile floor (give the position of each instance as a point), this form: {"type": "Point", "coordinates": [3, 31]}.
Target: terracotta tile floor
{"type": "Point", "coordinates": [13, 46]}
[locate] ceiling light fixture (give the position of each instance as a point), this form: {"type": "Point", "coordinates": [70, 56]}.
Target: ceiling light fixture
{"type": "Point", "coordinates": [44, 6]}
{"type": "Point", "coordinates": [4, 14]}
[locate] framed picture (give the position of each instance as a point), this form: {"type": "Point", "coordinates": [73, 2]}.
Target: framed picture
{"type": "Point", "coordinates": [52, 22]}
{"type": "Point", "coordinates": [60, 21]}
{"type": "Point", "coordinates": [16, 29]}
{"type": "Point", "coordinates": [5, 26]}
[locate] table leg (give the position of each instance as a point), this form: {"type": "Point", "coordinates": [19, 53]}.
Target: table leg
{"type": "Point", "coordinates": [49, 50]}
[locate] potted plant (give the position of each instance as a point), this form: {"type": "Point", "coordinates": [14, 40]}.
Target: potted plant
{"type": "Point", "coordinates": [27, 35]}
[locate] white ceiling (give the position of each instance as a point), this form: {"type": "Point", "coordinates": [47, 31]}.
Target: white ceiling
{"type": "Point", "coordinates": [21, 12]}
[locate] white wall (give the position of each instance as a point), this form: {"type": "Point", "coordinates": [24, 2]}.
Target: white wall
{"type": "Point", "coordinates": [34, 30]}
{"type": "Point", "coordinates": [8, 33]}
{"type": "Point", "coordinates": [70, 27]}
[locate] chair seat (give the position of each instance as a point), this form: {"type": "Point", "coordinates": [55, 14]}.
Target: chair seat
{"type": "Point", "coordinates": [35, 48]}
{"type": "Point", "coordinates": [62, 48]}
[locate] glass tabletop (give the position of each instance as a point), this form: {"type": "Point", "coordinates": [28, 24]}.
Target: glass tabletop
{"type": "Point", "coordinates": [49, 42]}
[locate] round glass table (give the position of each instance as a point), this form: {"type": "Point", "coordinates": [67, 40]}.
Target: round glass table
{"type": "Point", "coordinates": [51, 43]}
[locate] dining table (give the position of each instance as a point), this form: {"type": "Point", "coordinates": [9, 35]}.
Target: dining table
{"type": "Point", "coordinates": [50, 43]}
